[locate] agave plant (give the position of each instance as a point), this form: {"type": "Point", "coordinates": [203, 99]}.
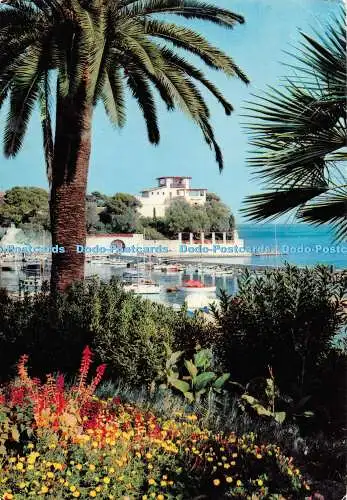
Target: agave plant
{"type": "Point", "coordinates": [87, 51]}
{"type": "Point", "coordinates": [299, 136]}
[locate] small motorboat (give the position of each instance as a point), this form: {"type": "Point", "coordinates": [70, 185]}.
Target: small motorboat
{"type": "Point", "coordinates": [143, 287]}
{"type": "Point", "coordinates": [196, 286]}
{"type": "Point", "coordinates": [172, 289]}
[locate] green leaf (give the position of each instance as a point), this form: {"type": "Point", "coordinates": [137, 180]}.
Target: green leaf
{"type": "Point", "coordinates": [218, 384]}
{"type": "Point", "coordinates": [189, 396]}
{"type": "Point", "coordinates": [203, 358]}
{"type": "Point", "coordinates": [280, 416]}
{"type": "Point", "coordinates": [180, 385]}
{"type": "Point", "coordinates": [308, 414]}
{"type": "Point", "coordinates": [191, 368]}
{"type": "Point", "coordinates": [202, 380]}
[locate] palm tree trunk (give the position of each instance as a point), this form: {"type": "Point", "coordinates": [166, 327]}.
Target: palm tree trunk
{"type": "Point", "coordinates": [68, 192]}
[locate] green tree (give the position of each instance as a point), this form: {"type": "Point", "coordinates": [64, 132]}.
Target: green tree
{"type": "Point", "coordinates": [25, 205]}
{"type": "Point", "coordinates": [177, 217]}
{"type": "Point", "coordinates": [219, 215]}
{"type": "Point", "coordinates": [121, 212]}
{"type": "Point", "coordinates": [299, 134]}
{"type": "Point", "coordinates": [92, 50]}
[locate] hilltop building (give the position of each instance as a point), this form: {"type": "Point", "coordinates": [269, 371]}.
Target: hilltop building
{"type": "Point", "coordinates": [156, 200]}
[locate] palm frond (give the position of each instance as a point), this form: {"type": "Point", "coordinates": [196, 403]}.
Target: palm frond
{"type": "Point", "coordinates": [113, 97]}
{"type": "Point", "coordinates": [46, 124]}
{"type": "Point", "coordinates": [189, 9]}
{"type": "Point", "coordinates": [143, 94]}
{"type": "Point", "coordinates": [299, 136]}
{"type": "Point", "coordinates": [271, 205]}
{"type": "Point", "coordinates": [191, 41]}
{"type": "Point", "coordinates": [330, 208]}
{"type": "Point", "coordinates": [24, 93]}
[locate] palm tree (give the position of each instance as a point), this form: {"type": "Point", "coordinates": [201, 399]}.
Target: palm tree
{"type": "Point", "coordinates": [79, 52]}
{"type": "Point", "coordinates": [299, 136]}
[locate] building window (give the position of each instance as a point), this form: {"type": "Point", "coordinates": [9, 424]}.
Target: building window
{"type": "Point", "coordinates": [154, 213]}
{"type": "Point", "coordinates": [178, 193]}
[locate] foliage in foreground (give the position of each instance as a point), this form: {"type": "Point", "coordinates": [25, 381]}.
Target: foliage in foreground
{"type": "Point", "coordinates": [287, 320]}
{"type": "Point", "coordinates": [125, 331]}
{"type": "Point", "coordinates": [81, 446]}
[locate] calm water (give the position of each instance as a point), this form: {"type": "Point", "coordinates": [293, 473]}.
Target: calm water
{"type": "Point", "coordinates": [303, 245]}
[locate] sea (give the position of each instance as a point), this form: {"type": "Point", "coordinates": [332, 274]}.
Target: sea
{"type": "Point", "coordinates": [297, 244]}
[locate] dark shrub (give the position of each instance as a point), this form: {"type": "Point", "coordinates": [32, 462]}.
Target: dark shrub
{"type": "Point", "coordinates": [287, 319]}
{"type": "Point", "coordinates": [125, 331]}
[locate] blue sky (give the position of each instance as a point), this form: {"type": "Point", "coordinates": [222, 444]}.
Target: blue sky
{"type": "Point", "coordinates": [124, 161]}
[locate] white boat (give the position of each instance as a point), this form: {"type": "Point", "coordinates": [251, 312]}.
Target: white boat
{"type": "Point", "coordinates": [172, 269]}
{"type": "Point", "coordinates": [108, 262]}
{"type": "Point", "coordinates": [195, 286]}
{"type": "Point", "coordinates": [143, 288]}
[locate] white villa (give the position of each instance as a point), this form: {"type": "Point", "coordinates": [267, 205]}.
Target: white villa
{"type": "Point", "coordinates": [155, 200]}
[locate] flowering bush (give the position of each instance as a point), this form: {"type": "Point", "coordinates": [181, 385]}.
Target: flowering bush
{"type": "Point", "coordinates": [86, 447]}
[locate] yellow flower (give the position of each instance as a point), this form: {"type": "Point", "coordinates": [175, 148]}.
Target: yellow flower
{"type": "Point", "coordinates": [106, 480]}
{"type": "Point", "coordinates": [19, 466]}
{"type": "Point", "coordinates": [160, 497]}
{"type": "Point", "coordinates": [163, 483]}
{"type": "Point", "coordinates": [72, 488]}
{"type": "Point", "coordinates": [229, 479]}
{"type": "Point", "coordinates": [234, 455]}
{"type": "Point", "coordinates": [289, 472]}
{"type": "Point", "coordinates": [226, 466]}
{"type": "Point", "coordinates": [209, 459]}
{"type": "Point", "coordinates": [92, 493]}
{"type": "Point", "coordinates": [76, 494]}
{"type": "Point", "coordinates": [259, 456]}
{"type": "Point", "coordinates": [44, 489]}
{"type": "Point", "coordinates": [150, 466]}
{"type": "Point", "coordinates": [21, 485]}
{"type": "Point", "coordinates": [91, 467]}
{"type": "Point", "coordinates": [149, 455]}
{"type": "Point", "coordinates": [216, 482]}
{"type": "Point", "coordinates": [8, 496]}
{"type": "Point", "coordinates": [238, 483]}
{"type": "Point", "coordinates": [98, 488]}
{"type": "Point", "coordinates": [144, 497]}
{"type": "Point", "coordinates": [50, 475]}
{"type": "Point", "coordinates": [79, 466]}
{"type": "Point", "coordinates": [260, 482]}
{"type": "Point", "coordinates": [30, 467]}
{"type": "Point", "coordinates": [111, 471]}
{"type": "Point", "coordinates": [30, 446]}
{"type": "Point", "coordinates": [151, 481]}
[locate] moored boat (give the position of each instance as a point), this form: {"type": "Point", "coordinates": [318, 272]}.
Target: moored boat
{"type": "Point", "coordinates": [196, 286]}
